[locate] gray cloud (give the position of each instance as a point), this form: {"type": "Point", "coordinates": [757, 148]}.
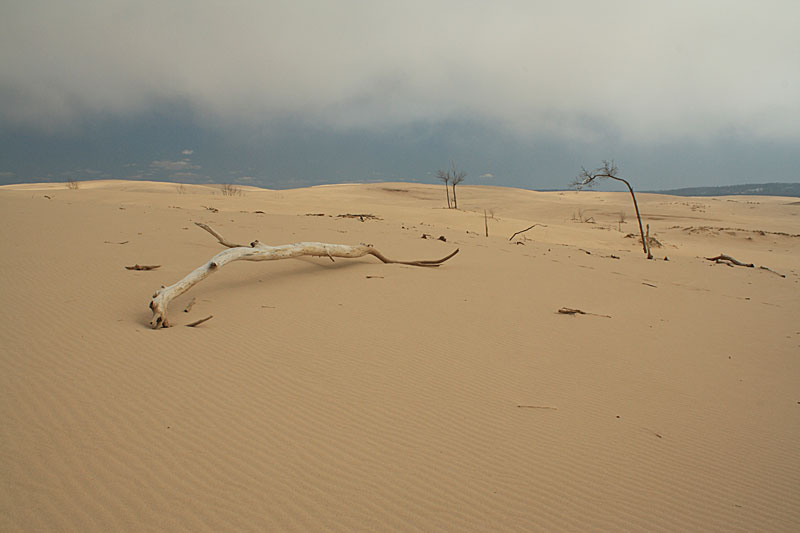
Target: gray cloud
{"type": "Point", "coordinates": [174, 166]}
{"type": "Point", "coordinates": [583, 70]}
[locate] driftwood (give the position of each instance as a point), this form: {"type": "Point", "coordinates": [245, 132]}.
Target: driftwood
{"type": "Point", "coordinates": [723, 259]}
{"type": "Point", "coordinates": [198, 322]}
{"type": "Point", "coordinates": [524, 230]}
{"type": "Point", "coordinates": [262, 252]}
{"type": "Point", "coordinates": [573, 312]}
{"type": "Point", "coordinates": [137, 266]}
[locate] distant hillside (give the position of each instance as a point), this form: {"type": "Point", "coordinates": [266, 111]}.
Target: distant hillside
{"type": "Point", "coordinates": [759, 189]}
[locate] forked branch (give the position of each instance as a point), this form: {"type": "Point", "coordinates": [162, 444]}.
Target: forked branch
{"type": "Point", "coordinates": [262, 252]}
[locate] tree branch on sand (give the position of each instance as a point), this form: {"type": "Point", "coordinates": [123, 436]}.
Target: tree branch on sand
{"type": "Point", "coordinates": [723, 259]}
{"type": "Point", "coordinates": [610, 170]}
{"type": "Point", "coordinates": [257, 251]}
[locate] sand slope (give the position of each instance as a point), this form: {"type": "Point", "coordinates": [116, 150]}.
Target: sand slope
{"type": "Point", "coordinates": [360, 396]}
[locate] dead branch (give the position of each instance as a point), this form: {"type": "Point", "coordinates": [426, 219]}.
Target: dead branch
{"type": "Point", "coordinates": [539, 407]}
{"type": "Point", "coordinates": [723, 259]}
{"type": "Point", "coordinates": [190, 305]}
{"type": "Point", "coordinates": [573, 312]}
{"type": "Point", "coordinates": [726, 258]}
{"type": "Point", "coordinates": [198, 322]}
{"type": "Point", "coordinates": [770, 270]}
{"type": "Point", "coordinates": [222, 240]}
{"type": "Point", "coordinates": [526, 229]}
{"type": "Point", "coordinates": [262, 252]}
{"type": "Point", "coordinates": [137, 266]}
{"type": "Point", "coordinates": [361, 216]}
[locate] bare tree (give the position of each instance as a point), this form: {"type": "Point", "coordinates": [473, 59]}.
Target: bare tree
{"type": "Point", "coordinates": [229, 189]}
{"type": "Point", "coordinates": [610, 170]}
{"type": "Point", "coordinates": [445, 178]}
{"type": "Point", "coordinates": [456, 177]}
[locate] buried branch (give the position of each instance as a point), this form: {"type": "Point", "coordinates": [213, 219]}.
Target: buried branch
{"type": "Point", "coordinates": [262, 252]}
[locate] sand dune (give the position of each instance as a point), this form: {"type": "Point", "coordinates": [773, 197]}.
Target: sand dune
{"type": "Point", "coordinates": [353, 395]}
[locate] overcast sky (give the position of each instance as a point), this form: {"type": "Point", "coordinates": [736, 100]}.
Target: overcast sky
{"type": "Point", "coordinates": [301, 92]}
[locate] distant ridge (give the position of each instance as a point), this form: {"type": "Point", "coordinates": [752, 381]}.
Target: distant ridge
{"type": "Point", "coordinates": [756, 189]}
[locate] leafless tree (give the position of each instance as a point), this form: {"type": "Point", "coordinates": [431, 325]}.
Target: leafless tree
{"type": "Point", "coordinates": [229, 189]}
{"type": "Point", "coordinates": [456, 177]}
{"type": "Point", "coordinates": [609, 170]}
{"type": "Point", "coordinates": [445, 178]}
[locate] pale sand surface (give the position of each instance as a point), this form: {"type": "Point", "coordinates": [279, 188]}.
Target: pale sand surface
{"type": "Point", "coordinates": [320, 398]}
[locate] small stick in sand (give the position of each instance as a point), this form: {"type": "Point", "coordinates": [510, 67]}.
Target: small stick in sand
{"type": "Point", "coordinates": [573, 312]}
{"type": "Point", "coordinates": [137, 266]}
{"type": "Point", "coordinates": [198, 322]}
{"type": "Point", "coordinates": [539, 407]}
{"type": "Point", "coordinates": [190, 305]}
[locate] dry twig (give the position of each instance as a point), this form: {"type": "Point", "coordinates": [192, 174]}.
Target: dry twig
{"type": "Point", "coordinates": [137, 266]}
{"type": "Point", "coordinates": [573, 312]}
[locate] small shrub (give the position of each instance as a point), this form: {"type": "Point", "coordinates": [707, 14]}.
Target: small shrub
{"type": "Point", "coordinates": [230, 189]}
{"type": "Point", "coordinates": [72, 184]}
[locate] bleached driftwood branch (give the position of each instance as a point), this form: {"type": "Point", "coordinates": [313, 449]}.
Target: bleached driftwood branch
{"type": "Point", "coordinates": [262, 252]}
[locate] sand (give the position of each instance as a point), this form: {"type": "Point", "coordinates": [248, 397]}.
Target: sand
{"type": "Point", "coordinates": [353, 395]}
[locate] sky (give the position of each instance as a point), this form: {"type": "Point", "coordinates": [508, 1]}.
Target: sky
{"type": "Point", "coordinates": [294, 93]}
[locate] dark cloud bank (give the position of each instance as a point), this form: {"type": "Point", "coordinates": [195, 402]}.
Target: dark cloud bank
{"type": "Point", "coordinates": [289, 94]}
